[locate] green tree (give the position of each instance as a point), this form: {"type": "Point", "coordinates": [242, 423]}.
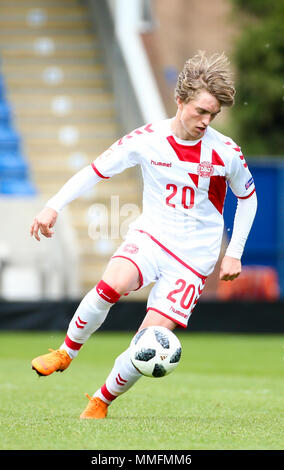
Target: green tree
{"type": "Point", "coordinates": [259, 60]}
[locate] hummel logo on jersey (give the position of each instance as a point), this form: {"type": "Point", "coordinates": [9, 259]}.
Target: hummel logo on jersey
{"type": "Point", "coordinates": [178, 312]}
{"type": "Point", "coordinates": [161, 163]}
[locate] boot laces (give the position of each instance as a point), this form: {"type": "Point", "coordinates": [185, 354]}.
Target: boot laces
{"type": "Point", "coordinates": [95, 401]}
{"type": "Point", "coordinates": [59, 352]}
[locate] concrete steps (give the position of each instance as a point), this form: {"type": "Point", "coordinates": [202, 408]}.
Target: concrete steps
{"type": "Point", "coordinates": [64, 108]}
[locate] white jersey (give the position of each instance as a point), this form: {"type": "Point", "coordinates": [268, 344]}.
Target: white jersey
{"type": "Point", "coordinates": [185, 185]}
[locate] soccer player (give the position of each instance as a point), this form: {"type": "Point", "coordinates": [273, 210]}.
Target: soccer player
{"type": "Point", "coordinates": [175, 242]}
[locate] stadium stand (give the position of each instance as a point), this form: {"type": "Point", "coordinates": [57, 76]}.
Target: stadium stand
{"type": "Point", "coordinates": [14, 171]}
{"type": "Point", "coordinates": [59, 97]}
{"type": "Point", "coordinates": [30, 270]}
{"type": "Point", "coordinates": [256, 283]}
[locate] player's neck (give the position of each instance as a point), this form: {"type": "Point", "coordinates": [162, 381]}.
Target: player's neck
{"type": "Point", "coordinates": [179, 131]}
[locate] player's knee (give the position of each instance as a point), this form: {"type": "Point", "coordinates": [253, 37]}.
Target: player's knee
{"type": "Point", "coordinates": [122, 285]}
{"type": "Point", "coordinates": [122, 275]}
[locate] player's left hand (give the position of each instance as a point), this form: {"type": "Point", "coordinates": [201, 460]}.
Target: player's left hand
{"type": "Point", "coordinates": [230, 268]}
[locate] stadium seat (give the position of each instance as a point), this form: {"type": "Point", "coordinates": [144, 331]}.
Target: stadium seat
{"type": "Point", "coordinates": [2, 89]}
{"type": "Point", "coordinates": [17, 187]}
{"type": "Point", "coordinates": [5, 114]}
{"type": "Point", "coordinates": [13, 166]}
{"type": "Point", "coordinates": [14, 169]}
{"type": "Point", "coordinates": [9, 140]}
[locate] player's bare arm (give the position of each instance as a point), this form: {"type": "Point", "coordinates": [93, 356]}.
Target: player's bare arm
{"type": "Point", "coordinates": [230, 268]}
{"type": "Point", "coordinates": [43, 223]}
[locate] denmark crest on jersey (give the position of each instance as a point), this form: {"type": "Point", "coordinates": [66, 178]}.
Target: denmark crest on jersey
{"type": "Point", "coordinates": [131, 248]}
{"type": "Point", "coordinates": [205, 169]}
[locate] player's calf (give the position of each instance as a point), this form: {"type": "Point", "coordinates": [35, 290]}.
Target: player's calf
{"type": "Point", "coordinates": [89, 316]}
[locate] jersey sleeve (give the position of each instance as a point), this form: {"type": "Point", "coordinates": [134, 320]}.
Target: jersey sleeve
{"type": "Point", "coordinates": [240, 178]}
{"type": "Point", "coordinates": [121, 155]}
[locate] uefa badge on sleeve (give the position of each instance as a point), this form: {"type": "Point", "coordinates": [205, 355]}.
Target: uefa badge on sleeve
{"type": "Point", "coordinates": [249, 183]}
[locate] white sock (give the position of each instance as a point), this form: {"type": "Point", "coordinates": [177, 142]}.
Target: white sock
{"type": "Point", "coordinates": [121, 378]}
{"type": "Point", "coordinates": [88, 317]}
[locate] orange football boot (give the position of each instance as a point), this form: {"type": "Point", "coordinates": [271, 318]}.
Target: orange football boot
{"type": "Point", "coordinates": [96, 409]}
{"type": "Point", "coordinates": [55, 361]}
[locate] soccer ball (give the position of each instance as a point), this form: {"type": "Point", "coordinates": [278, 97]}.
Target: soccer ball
{"type": "Point", "coordinates": [155, 351]}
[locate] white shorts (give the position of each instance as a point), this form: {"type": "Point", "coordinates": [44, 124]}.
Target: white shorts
{"type": "Point", "coordinates": [177, 286]}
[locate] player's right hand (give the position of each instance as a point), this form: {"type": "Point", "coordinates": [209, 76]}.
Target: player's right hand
{"type": "Point", "coordinates": [43, 223]}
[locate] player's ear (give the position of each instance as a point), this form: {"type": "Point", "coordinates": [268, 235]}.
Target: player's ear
{"type": "Point", "coordinates": [179, 102]}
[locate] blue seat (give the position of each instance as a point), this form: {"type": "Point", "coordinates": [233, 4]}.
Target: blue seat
{"type": "Point", "coordinates": [13, 166]}
{"type": "Point", "coordinates": [2, 88]}
{"type": "Point", "coordinates": [14, 170]}
{"type": "Point", "coordinates": [17, 187]}
{"type": "Point", "coordinates": [5, 114]}
{"type": "Point", "coordinates": [9, 140]}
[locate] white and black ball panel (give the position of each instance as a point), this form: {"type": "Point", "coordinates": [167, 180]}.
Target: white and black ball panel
{"type": "Point", "coordinates": [159, 371]}
{"type": "Point", "coordinates": [162, 338]}
{"type": "Point", "coordinates": [145, 354]}
{"type": "Point", "coordinates": [138, 335]}
{"type": "Point", "coordinates": [176, 356]}
{"type": "Point", "coordinates": [155, 351]}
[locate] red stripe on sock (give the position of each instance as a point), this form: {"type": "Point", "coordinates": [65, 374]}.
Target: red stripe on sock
{"type": "Point", "coordinates": [72, 344]}
{"type": "Point", "coordinates": [107, 293]}
{"type": "Point", "coordinates": [109, 396]}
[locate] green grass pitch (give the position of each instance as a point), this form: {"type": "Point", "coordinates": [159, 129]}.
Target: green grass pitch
{"type": "Point", "coordinates": [227, 393]}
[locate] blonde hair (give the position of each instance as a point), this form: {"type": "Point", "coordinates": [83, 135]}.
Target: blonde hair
{"type": "Point", "coordinates": [211, 74]}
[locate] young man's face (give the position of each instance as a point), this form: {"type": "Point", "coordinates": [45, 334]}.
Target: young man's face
{"type": "Point", "coordinates": [194, 117]}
